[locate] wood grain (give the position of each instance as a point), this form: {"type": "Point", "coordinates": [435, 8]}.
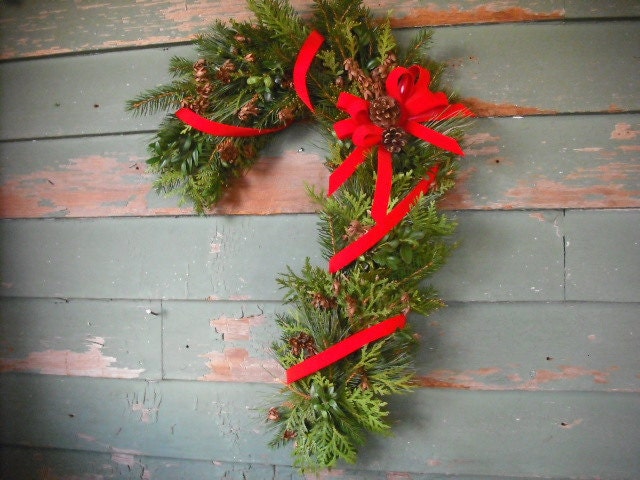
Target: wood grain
{"type": "Point", "coordinates": [503, 256]}
{"type": "Point", "coordinates": [32, 29]}
{"type": "Point", "coordinates": [224, 422]}
{"type": "Point", "coordinates": [548, 68]}
{"type": "Point", "coordinates": [530, 163]}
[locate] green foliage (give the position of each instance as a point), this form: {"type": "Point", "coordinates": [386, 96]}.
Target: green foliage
{"type": "Point", "coordinates": [325, 417]}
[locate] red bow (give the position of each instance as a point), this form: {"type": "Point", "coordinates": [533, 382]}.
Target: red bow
{"type": "Point", "coordinates": [409, 87]}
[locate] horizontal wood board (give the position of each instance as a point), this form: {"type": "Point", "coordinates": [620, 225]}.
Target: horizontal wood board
{"type": "Point", "coordinates": [140, 419]}
{"type": "Point", "coordinates": [547, 69]}
{"type": "Point", "coordinates": [31, 463]}
{"type": "Point", "coordinates": [138, 347]}
{"type": "Point", "coordinates": [534, 346]}
{"type": "Point", "coordinates": [582, 161]}
{"type": "Point", "coordinates": [32, 29]}
{"type": "Point", "coordinates": [503, 256]}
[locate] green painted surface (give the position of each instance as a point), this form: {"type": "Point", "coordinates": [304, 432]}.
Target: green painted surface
{"type": "Point", "coordinates": [32, 463]}
{"type": "Point", "coordinates": [547, 67]}
{"type": "Point", "coordinates": [555, 346]}
{"type": "Point", "coordinates": [503, 256]}
{"type": "Point", "coordinates": [531, 372]}
{"type": "Point", "coordinates": [573, 161]}
{"type": "Point", "coordinates": [100, 338]}
{"type": "Point", "coordinates": [436, 431]}
{"type": "Point", "coordinates": [603, 255]}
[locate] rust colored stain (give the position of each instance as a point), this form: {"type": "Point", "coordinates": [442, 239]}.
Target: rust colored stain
{"type": "Point", "coordinates": [483, 108]}
{"type": "Point", "coordinates": [611, 172]}
{"type": "Point", "coordinates": [236, 365]}
{"type": "Point", "coordinates": [565, 373]}
{"type": "Point", "coordinates": [236, 328]}
{"type": "Point", "coordinates": [465, 380]}
{"type": "Point", "coordinates": [546, 193]}
{"type": "Point", "coordinates": [398, 476]}
{"type": "Point", "coordinates": [85, 187]}
{"type": "Point", "coordinates": [494, 12]}
{"type": "Point", "coordinates": [460, 196]}
{"type": "Point", "coordinates": [477, 379]}
{"type": "Point", "coordinates": [276, 185]}
{"type": "Point", "coordinates": [623, 131]}
{"type": "Point", "coordinates": [91, 363]}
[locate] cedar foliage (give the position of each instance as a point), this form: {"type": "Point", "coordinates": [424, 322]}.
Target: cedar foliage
{"type": "Point", "coordinates": [327, 416]}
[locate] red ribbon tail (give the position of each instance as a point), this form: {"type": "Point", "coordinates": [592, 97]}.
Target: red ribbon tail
{"type": "Point", "coordinates": [221, 129]}
{"type": "Point", "coordinates": [382, 193]}
{"type": "Point", "coordinates": [367, 241]}
{"type": "Point", "coordinates": [436, 138]}
{"type": "Point", "coordinates": [303, 63]}
{"type": "Point", "coordinates": [345, 347]}
{"type": "Point", "coordinates": [346, 168]}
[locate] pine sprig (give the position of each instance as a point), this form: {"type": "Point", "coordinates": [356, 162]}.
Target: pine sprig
{"type": "Point", "coordinates": [243, 77]}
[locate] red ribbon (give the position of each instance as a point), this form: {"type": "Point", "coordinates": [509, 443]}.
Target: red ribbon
{"type": "Point", "coordinates": [205, 125]}
{"type": "Point", "coordinates": [345, 347]}
{"type": "Point", "coordinates": [303, 63]}
{"type": "Point", "coordinates": [383, 225]}
{"type": "Point", "coordinates": [410, 88]}
{"type": "Point", "coordinates": [300, 70]}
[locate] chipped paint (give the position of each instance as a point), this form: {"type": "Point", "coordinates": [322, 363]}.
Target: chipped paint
{"type": "Point", "coordinates": [495, 378]}
{"type": "Point", "coordinates": [566, 373]}
{"type": "Point", "coordinates": [236, 365]}
{"type": "Point", "coordinates": [547, 193]}
{"type": "Point", "coordinates": [568, 426]}
{"type": "Point", "coordinates": [483, 108]}
{"type": "Point", "coordinates": [236, 328]}
{"type": "Point", "coordinates": [152, 22]}
{"type": "Point", "coordinates": [87, 186]}
{"type": "Point", "coordinates": [493, 12]}
{"type": "Point", "coordinates": [623, 131]}
{"type": "Point", "coordinates": [91, 363]}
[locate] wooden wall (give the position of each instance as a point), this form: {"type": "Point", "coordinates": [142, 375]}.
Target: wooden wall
{"type": "Point", "coordinates": [134, 335]}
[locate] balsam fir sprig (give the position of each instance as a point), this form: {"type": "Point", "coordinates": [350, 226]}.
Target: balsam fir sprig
{"type": "Point", "coordinates": [392, 146]}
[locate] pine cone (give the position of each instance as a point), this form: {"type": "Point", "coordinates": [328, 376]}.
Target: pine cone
{"type": "Point", "coordinates": [274, 414]}
{"type": "Point", "coordinates": [394, 139]}
{"type": "Point", "coordinates": [352, 306]}
{"type": "Point", "coordinates": [228, 150]}
{"type": "Point", "coordinates": [249, 109]}
{"type": "Point", "coordinates": [355, 73]}
{"type": "Point", "coordinates": [384, 111]}
{"type": "Point", "coordinates": [354, 231]}
{"type": "Point", "coordinates": [320, 301]}
{"type": "Point", "coordinates": [381, 72]}
{"type": "Point", "coordinates": [303, 342]}
{"type": "Point", "coordinates": [287, 115]}
{"type": "Point", "coordinates": [225, 71]}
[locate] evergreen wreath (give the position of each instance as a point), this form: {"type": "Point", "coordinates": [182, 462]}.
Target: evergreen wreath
{"type": "Point", "coordinates": [392, 138]}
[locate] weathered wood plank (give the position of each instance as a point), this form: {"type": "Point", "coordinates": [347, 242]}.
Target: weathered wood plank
{"type": "Point", "coordinates": [585, 161]}
{"type": "Point", "coordinates": [548, 68]}
{"type": "Point", "coordinates": [504, 256]}
{"type": "Point", "coordinates": [595, 9]}
{"type": "Point", "coordinates": [100, 338]}
{"type": "Point", "coordinates": [603, 255]}
{"type": "Point", "coordinates": [43, 463]}
{"type": "Point", "coordinates": [33, 463]}
{"type": "Point", "coordinates": [472, 346]}
{"type": "Point", "coordinates": [32, 29]}
{"type": "Point", "coordinates": [531, 346]}
{"type": "Point", "coordinates": [436, 431]}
